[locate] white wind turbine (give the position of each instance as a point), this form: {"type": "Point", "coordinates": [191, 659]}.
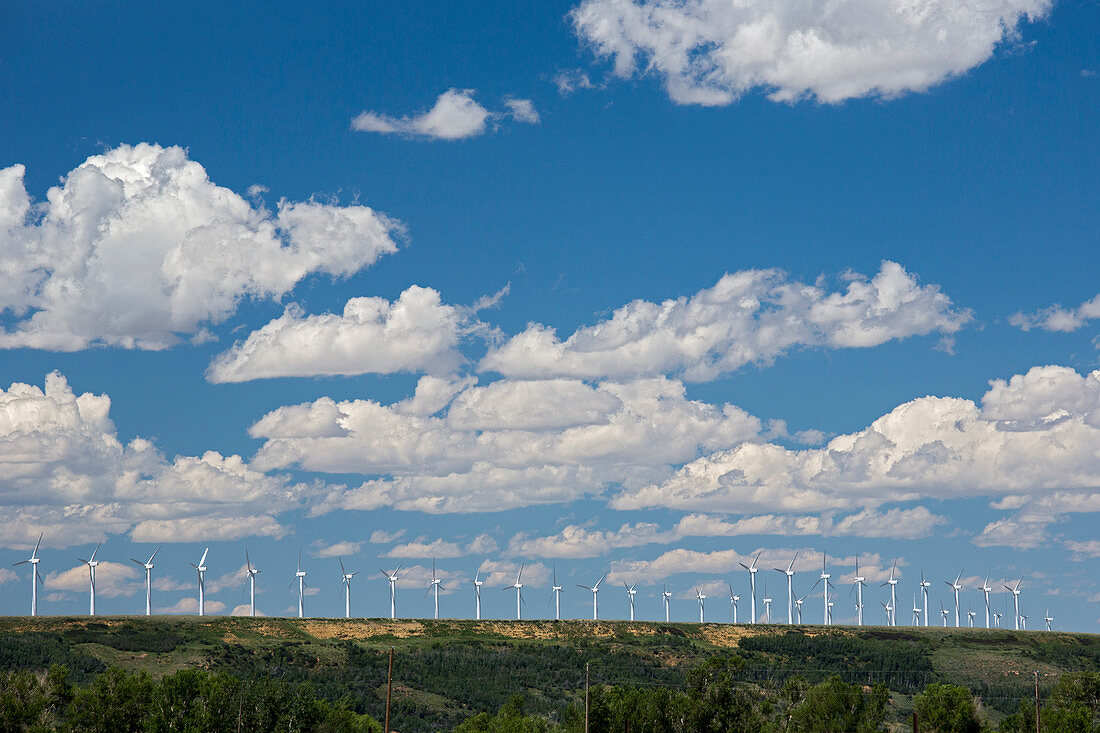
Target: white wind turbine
{"type": "Point", "coordinates": [956, 587]}
{"type": "Point", "coordinates": [595, 589]}
{"type": "Point", "coordinates": [997, 619]}
{"type": "Point", "coordinates": [925, 584]}
{"type": "Point", "coordinates": [33, 561]}
{"type": "Point", "coordinates": [798, 608]}
{"type": "Point", "coordinates": [825, 577]}
{"type": "Point", "coordinates": [435, 585]}
{"type": "Point", "coordinates": [916, 611]}
{"type": "Point", "coordinates": [829, 611]}
{"type": "Point", "coordinates": [889, 612]}
{"type": "Point", "coordinates": [752, 586]}
{"type": "Point", "coordinates": [518, 585]}
{"type": "Point", "coordinates": [1016, 600]}
{"type": "Point", "coordinates": [970, 614]}
{"type": "Point", "coordinates": [734, 598]}
{"type": "Point", "coordinates": [478, 582]}
{"type": "Point", "coordinates": [767, 605]}
{"type": "Point", "coordinates": [345, 578]}
{"type": "Point", "coordinates": [702, 597]}
{"type": "Point", "coordinates": [1023, 622]}
{"type": "Point", "coordinates": [91, 562]}
{"type": "Point", "coordinates": [251, 571]}
{"type": "Point", "coordinates": [555, 595]}
{"type": "Point", "coordinates": [300, 576]}
{"type": "Point", "coordinates": [148, 565]}
{"type": "Point", "coordinates": [630, 593]}
{"type": "Point", "coordinates": [666, 594]}
{"type": "Point", "coordinates": [893, 583]}
{"type": "Point", "coordinates": [1048, 619]}
{"type": "Point", "coordinates": [858, 582]}
{"type": "Point", "coordinates": [392, 577]}
{"type": "Point", "coordinates": [201, 568]}
{"type": "Point", "coordinates": [985, 588]}
{"type": "Point", "coordinates": [789, 572]}
{"type": "Point", "coordinates": [945, 613]}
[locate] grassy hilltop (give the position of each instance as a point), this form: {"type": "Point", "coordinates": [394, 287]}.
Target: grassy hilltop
{"type": "Point", "coordinates": [446, 671]}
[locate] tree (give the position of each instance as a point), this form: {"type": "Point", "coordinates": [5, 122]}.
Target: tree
{"type": "Point", "coordinates": [115, 702]}
{"type": "Point", "coordinates": [946, 709]}
{"type": "Point", "coordinates": [835, 705]}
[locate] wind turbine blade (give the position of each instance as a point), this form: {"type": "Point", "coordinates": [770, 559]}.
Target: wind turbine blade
{"type": "Point", "coordinates": [342, 571]}
{"type": "Point", "coordinates": [24, 562]}
{"type": "Point", "coordinates": [756, 558]}
{"type": "Point", "coordinates": [292, 581]}
{"type": "Point", "coordinates": [94, 552]}
{"type": "Point", "coordinates": [519, 575]}
{"type": "Point", "coordinates": [428, 591]}
{"type": "Point", "coordinates": [746, 567]}
{"type": "Point", "coordinates": [196, 567]}
{"type": "Point", "coordinates": [204, 554]}
{"type": "Point", "coordinates": [477, 576]}
{"type": "Point", "coordinates": [153, 555]}
{"type": "Point", "coordinates": [86, 562]}
{"type": "Point", "coordinates": [383, 572]}
{"type": "Point", "coordinates": [597, 585]}
{"type": "Point", "coordinates": [139, 562]}
{"type": "Point", "coordinates": [36, 544]}
{"type": "Point", "coordinates": [583, 586]}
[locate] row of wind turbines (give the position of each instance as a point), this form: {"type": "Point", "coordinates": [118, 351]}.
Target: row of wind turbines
{"type": "Point", "coordinates": [794, 604]}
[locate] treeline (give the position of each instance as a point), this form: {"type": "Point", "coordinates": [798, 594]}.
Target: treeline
{"type": "Point", "coordinates": [188, 701]}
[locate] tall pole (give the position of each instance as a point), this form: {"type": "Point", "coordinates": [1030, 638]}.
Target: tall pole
{"type": "Point", "coordinates": [859, 603]}
{"type": "Point", "coordinates": [148, 591]}
{"type": "Point", "coordinates": [252, 594]}
{"type": "Point", "coordinates": [34, 589]}
{"type": "Point", "coordinates": [389, 691]}
{"type": "Point", "coordinates": [1037, 701]}
{"type": "Point", "coordinates": [586, 695]}
{"type": "Point", "coordinates": [91, 602]}
{"type": "Point", "coordinates": [347, 599]}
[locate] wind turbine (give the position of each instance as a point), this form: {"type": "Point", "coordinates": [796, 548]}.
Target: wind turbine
{"type": "Point", "coordinates": [789, 572]}
{"type": "Point", "coordinates": [825, 576]}
{"type": "Point", "coordinates": [478, 582]}
{"type": "Point", "coordinates": [1016, 600]}
{"type": "Point", "coordinates": [916, 611]}
{"type": "Point", "coordinates": [1023, 622]}
{"type": "Point", "coordinates": [251, 583]}
{"type": "Point", "coordinates": [346, 577]}
{"type": "Point", "coordinates": [666, 594]}
{"type": "Point", "coordinates": [300, 576]}
{"type": "Point", "coordinates": [435, 585]}
{"type": "Point", "coordinates": [702, 597]}
{"type": "Point", "coordinates": [752, 586]}
{"type": "Point", "coordinates": [734, 598]}
{"type": "Point", "coordinates": [35, 575]}
{"type": "Point", "coordinates": [630, 593]}
{"type": "Point", "coordinates": [997, 620]}
{"type": "Point", "coordinates": [392, 577]}
{"type": "Point", "coordinates": [519, 593]}
{"type": "Point", "coordinates": [148, 565]}
{"type": "Point", "coordinates": [925, 584]}
{"type": "Point", "coordinates": [889, 612]}
{"type": "Point", "coordinates": [859, 581]}
{"type": "Point", "coordinates": [595, 589]}
{"type": "Point", "coordinates": [986, 589]}
{"type": "Point", "coordinates": [798, 608]}
{"type": "Point", "coordinates": [557, 590]}
{"type": "Point", "coordinates": [91, 562]}
{"type": "Point", "coordinates": [1048, 619]}
{"type": "Point", "coordinates": [201, 568]}
{"type": "Point", "coordinates": [970, 614]}
{"type": "Point", "coordinates": [945, 613]}
{"type": "Point", "coordinates": [767, 605]}
{"type": "Point", "coordinates": [956, 587]}
{"type": "Point", "coordinates": [893, 583]}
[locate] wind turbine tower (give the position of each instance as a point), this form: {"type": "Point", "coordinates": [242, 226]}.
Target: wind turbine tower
{"type": "Point", "coordinates": [702, 597]}
{"type": "Point", "coordinates": [300, 576]}
{"type": "Point", "coordinates": [767, 605]}
{"type": "Point", "coordinates": [956, 587]}
{"type": "Point", "coordinates": [518, 585]}
{"type": "Point", "coordinates": [148, 565]}
{"type": "Point", "coordinates": [251, 583]}
{"type": "Point", "coordinates": [666, 594]}
{"type": "Point", "coordinates": [630, 593]}
{"type": "Point", "coordinates": [478, 582]}
{"type": "Point", "coordinates": [345, 578]}
{"type": "Point", "coordinates": [33, 561]}
{"type": "Point", "coordinates": [825, 577]}
{"type": "Point", "coordinates": [734, 598]}
{"type": "Point", "coordinates": [595, 589]}
{"type": "Point", "coordinates": [859, 582]}
{"type": "Point", "coordinates": [789, 572]}
{"type": "Point", "coordinates": [970, 614]}
{"type": "Point", "coordinates": [916, 611]}
{"type": "Point", "coordinates": [752, 586]}
{"type": "Point", "coordinates": [435, 585]}
{"type": "Point", "coordinates": [893, 583]}
{"type": "Point", "coordinates": [1016, 600]}
{"type": "Point", "coordinates": [201, 568]}
{"type": "Point", "coordinates": [91, 562]}
{"type": "Point", "coordinates": [1048, 619]}
{"type": "Point", "coordinates": [392, 577]}
{"type": "Point", "coordinates": [986, 589]}
{"type": "Point", "coordinates": [557, 590]}
{"type": "Point", "coordinates": [945, 613]}
{"type": "Point", "coordinates": [925, 584]}
{"type": "Point", "coordinates": [798, 608]}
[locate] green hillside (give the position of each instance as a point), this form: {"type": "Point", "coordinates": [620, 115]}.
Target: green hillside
{"type": "Point", "coordinates": [447, 671]}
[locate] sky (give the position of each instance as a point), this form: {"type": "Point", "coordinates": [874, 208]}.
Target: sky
{"type": "Point", "coordinates": [635, 288]}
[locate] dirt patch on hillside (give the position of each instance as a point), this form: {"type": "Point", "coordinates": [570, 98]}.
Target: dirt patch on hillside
{"type": "Point", "coordinates": [346, 629]}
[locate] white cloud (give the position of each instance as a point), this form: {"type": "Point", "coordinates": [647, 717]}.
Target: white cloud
{"type": "Point", "coordinates": [455, 115]}
{"type": "Point", "coordinates": [575, 541]}
{"type": "Point", "coordinates": [137, 247]}
{"type": "Point", "coordinates": [711, 52]}
{"type": "Point", "coordinates": [191, 605]}
{"type": "Point", "coordinates": [726, 563]}
{"type": "Point", "coordinates": [1032, 440]}
{"type": "Point", "coordinates": [500, 446]}
{"type": "Point", "coordinates": [382, 537]}
{"type": "Point", "coordinates": [441, 549]}
{"type": "Point", "coordinates": [111, 579]}
{"type": "Point", "coordinates": [1057, 318]}
{"type": "Point", "coordinates": [499, 573]}
{"type": "Point", "coordinates": [570, 80]}
{"type": "Point", "coordinates": [340, 549]}
{"type": "Point", "coordinates": [243, 610]}
{"type": "Point", "coordinates": [749, 317]}
{"type": "Point", "coordinates": [65, 473]}
{"type": "Point", "coordinates": [8, 576]}
{"type": "Point", "coordinates": [415, 333]}
{"type": "Point", "coordinates": [1084, 550]}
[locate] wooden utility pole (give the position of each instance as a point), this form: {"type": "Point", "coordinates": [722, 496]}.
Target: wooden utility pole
{"type": "Point", "coordinates": [389, 691]}
{"type": "Point", "coordinates": [586, 697]}
{"type": "Point", "coordinates": [916, 725]}
{"type": "Point", "coordinates": [1037, 700]}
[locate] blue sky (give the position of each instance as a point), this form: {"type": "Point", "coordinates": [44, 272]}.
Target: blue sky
{"type": "Point", "coordinates": [830, 279]}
